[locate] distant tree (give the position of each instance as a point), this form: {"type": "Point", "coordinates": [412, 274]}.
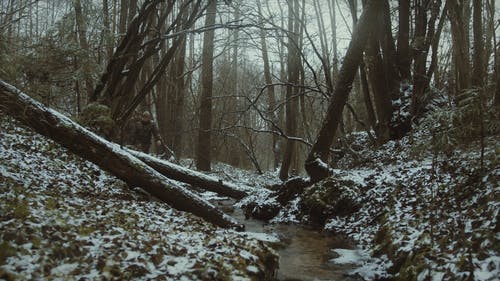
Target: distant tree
{"type": "Point", "coordinates": [426, 14]}
{"type": "Point", "coordinates": [496, 101]}
{"type": "Point", "coordinates": [81, 26]}
{"type": "Point", "coordinates": [170, 102]}
{"type": "Point", "coordinates": [378, 79]}
{"type": "Point", "coordinates": [106, 34]}
{"type": "Point", "coordinates": [458, 13]}
{"type": "Point", "coordinates": [293, 65]}
{"type": "Point", "coordinates": [320, 150]}
{"type": "Point", "coordinates": [271, 112]}
{"type": "Point", "coordinates": [403, 36]}
{"type": "Point", "coordinates": [370, 112]}
{"type": "Point", "coordinates": [141, 42]}
{"type": "Point", "coordinates": [479, 52]}
{"type": "Point", "coordinates": [204, 145]}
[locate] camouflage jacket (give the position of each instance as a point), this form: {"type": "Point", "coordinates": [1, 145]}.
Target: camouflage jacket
{"type": "Point", "coordinates": [144, 131]}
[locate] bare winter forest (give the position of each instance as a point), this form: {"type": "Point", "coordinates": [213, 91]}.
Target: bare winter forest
{"type": "Point", "coordinates": [249, 140]}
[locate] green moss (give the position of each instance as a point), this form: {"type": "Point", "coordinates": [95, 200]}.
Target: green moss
{"type": "Point", "coordinates": [36, 241]}
{"type": "Point", "coordinates": [463, 263]}
{"type": "Point", "coordinates": [414, 264]}
{"type": "Point", "coordinates": [18, 189]}
{"type": "Point", "coordinates": [97, 117]}
{"type": "Point", "coordinates": [333, 196]}
{"type": "Point", "coordinates": [85, 230]}
{"type": "Point", "coordinates": [383, 241]}
{"type": "Point", "coordinates": [51, 204]}
{"type": "Point", "coordinates": [61, 251]}
{"type": "Point", "coordinates": [21, 210]}
{"type": "Point", "coordinates": [6, 251]}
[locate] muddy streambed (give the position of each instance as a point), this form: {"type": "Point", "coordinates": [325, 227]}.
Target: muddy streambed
{"type": "Point", "coordinates": [305, 253]}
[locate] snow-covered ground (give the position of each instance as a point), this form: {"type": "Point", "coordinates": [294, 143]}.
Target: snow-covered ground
{"type": "Point", "coordinates": [62, 218]}
{"type": "Point", "coordinates": [436, 217]}
{"type": "Point", "coordinates": [422, 216]}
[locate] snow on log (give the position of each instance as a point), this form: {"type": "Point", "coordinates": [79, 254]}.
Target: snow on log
{"type": "Point", "coordinates": [191, 177]}
{"type": "Point", "coordinates": [107, 155]}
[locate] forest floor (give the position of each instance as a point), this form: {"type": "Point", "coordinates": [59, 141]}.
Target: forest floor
{"type": "Point", "coordinates": [417, 215]}
{"type": "Point", "coordinates": [421, 217]}
{"type": "Point", "coordinates": [62, 218]}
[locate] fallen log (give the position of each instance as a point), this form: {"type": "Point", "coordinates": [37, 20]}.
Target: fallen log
{"type": "Point", "coordinates": [191, 177]}
{"type": "Point", "coordinates": [107, 155]}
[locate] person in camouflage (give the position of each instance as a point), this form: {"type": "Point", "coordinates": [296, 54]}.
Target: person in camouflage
{"type": "Point", "coordinates": [144, 129]}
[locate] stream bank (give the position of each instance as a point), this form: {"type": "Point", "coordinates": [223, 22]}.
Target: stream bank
{"type": "Point", "coordinates": [305, 253]}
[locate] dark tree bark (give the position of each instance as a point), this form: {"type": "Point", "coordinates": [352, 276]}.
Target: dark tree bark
{"type": "Point", "coordinates": [460, 36]}
{"type": "Point", "coordinates": [433, 67]}
{"type": "Point", "coordinates": [270, 90]}
{"type": "Point", "coordinates": [122, 24]}
{"type": "Point", "coordinates": [388, 47]}
{"type": "Point", "coordinates": [496, 100]}
{"type": "Point", "coordinates": [109, 44]}
{"type": "Point", "coordinates": [171, 97]}
{"type": "Point", "coordinates": [478, 55]}
{"type": "Point", "coordinates": [134, 53]}
{"type": "Point", "coordinates": [403, 52]}
{"type": "Point", "coordinates": [372, 119]}
{"type": "Point", "coordinates": [425, 34]}
{"type": "Point", "coordinates": [293, 64]}
{"type": "Point", "coordinates": [191, 177]}
{"type": "Point", "coordinates": [180, 86]}
{"type": "Point", "coordinates": [419, 55]}
{"type": "Point", "coordinates": [204, 147]}
{"type": "Point", "coordinates": [321, 147]}
{"type": "Point", "coordinates": [383, 77]}
{"type": "Point", "coordinates": [381, 95]}
{"type": "Point", "coordinates": [107, 155]}
{"type": "Point", "coordinates": [82, 38]}
{"type": "Point", "coordinates": [132, 10]}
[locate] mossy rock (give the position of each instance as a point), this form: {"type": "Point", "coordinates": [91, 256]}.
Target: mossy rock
{"type": "Point", "coordinates": [291, 189]}
{"type": "Point", "coordinates": [262, 211]}
{"type": "Point", "coordinates": [97, 117]}
{"type": "Point", "coordinates": [330, 197]}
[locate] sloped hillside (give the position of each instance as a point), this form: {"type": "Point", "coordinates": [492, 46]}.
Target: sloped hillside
{"type": "Point", "coordinates": [415, 215]}
{"type": "Point", "coordinates": [432, 216]}
{"type": "Point", "coordinates": [62, 218]}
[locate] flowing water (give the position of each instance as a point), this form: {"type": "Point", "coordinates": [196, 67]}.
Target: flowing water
{"type": "Point", "coordinates": [304, 252]}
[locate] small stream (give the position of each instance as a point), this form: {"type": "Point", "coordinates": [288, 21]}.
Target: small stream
{"type": "Point", "coordinates": [304, 252]}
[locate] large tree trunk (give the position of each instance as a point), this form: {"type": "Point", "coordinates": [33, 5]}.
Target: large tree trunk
{"type": "Point", "coordinates": [108, 42]}
{"type": "Point", "coordinates": [371, 118]}
{"type": "Point", "coordinates": [381, 94]}
{"type": "Point", "coordinates": [404, 58]}
{"type": "Point", "coordinates": [191, 177]}
{"type": "Point", "coordinates": [321, 147]}
{"type": "Point", "coordinates": [292, 107]}
{"type": "Point", "coordinates": [82, 36]}
{"type": "Point", "coordinates": [204, 147]}
{"type": "Point", "coordinates": [106, 155]}
{"type": "Point", "coordinates": [433, 67]}
{"type": "Point", "coordinates": [457, 13]}
{"type": "Point", "coordinates": [496, 99]}
{"type": "Point", "coordinates": [478, 56]}
{"type": "Point", "coordinates": [272, 114]}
